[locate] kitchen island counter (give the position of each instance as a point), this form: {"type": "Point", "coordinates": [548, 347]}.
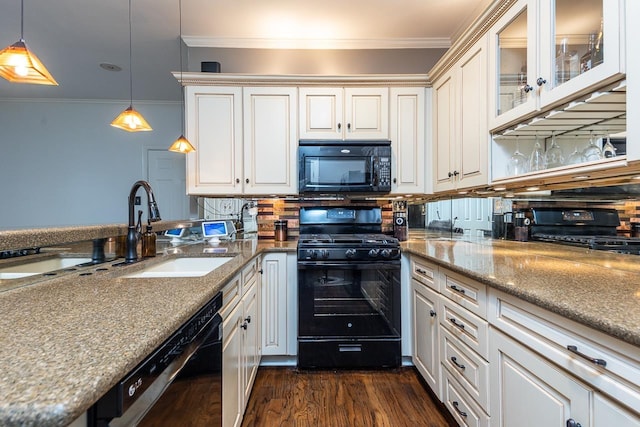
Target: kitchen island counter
{"type": "Point", "coordinates": [595, 288]}
{"type": "Point", "coordinates": [68, 340]}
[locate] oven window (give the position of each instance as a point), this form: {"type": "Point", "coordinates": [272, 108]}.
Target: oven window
{"type": "Point", "coordinates": [348, 301]}
{"type": "Point", "coordinates": [337, 170]}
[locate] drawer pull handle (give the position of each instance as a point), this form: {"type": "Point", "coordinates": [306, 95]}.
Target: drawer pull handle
{"type": "Point", "coordinates": [457, 289]}
{"type": "Point", "coordinates": [421, 271]}
{"type": "Point", "coordinates": [454, 360]}
{"type": "Point", "coordinates": [455, 323]}
{"type": "Point", "coordinates": [462, 413]}
{"type": "Point", "coordinates": [572, 423]}
{"type": "Point", "coordinates": [599, 362]}
{"type": "Point", "coordinates": [432, 313]}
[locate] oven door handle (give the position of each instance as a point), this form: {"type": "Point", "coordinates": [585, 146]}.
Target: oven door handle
{"type": "Point", "coordinates": [349, 265]}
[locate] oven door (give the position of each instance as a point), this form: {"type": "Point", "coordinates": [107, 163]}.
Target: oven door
{"type": "Point", "coordinates": [337, 300]}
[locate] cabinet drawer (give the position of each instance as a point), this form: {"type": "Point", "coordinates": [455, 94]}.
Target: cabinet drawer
{"type": "Point", "coordinates": [424, 272]}
{"type": "Point", "coordinates": [461, 405]}
{"type": "Point", "coordinates": [466, 292]}
{"type": "Point", "coordinates": [618, 371]}
{"type": "Point", "coordinates": [230, 296]}
{"type": "Point", "coordinates": [467, 327]}
{"type": "Point", "coordinates": [249, 274]}
{"type": "Point", "coordinates": [471, 370]}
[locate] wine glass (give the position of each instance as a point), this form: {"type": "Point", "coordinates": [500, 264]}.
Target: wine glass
{"type": "Point", "coordinates": [536, 161]}
{"type": "Point", "coordinates": [518, 163]}
{"type": "Point", "coordinates": [608, 150]}
{"type": "Point", "coordinates": [575, 157]}
{"type": "Point", "coordinates": [592, 152]}
{"type": "Point", "coordinates": [554, 157]}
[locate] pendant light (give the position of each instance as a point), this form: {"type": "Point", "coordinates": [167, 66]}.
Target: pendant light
{"type": "Point", "coordinates": [130, 120]}
{"type": "Point", "coordinates": [19, 65]}
{"type": "Point", "coordinates": [182, 144]}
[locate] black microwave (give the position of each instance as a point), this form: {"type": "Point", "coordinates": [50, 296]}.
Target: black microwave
{"type": "Point", "coordinates": [344, 166]}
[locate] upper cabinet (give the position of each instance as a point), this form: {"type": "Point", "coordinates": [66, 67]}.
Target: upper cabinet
{"type": "Point", "coordinates": [407, 126]}
{"type": "Point", "coordinates": [545, 52]}
{"type": "Point", "coordinates": [461, 138]}
{"type": "Point", "coordinates": [344, 113]}
{"type": "Point", "coordinates": [245, 140]}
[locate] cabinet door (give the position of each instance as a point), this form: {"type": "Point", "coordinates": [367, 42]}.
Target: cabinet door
{"type": "Point", "coordinates": [250, 343]}
{"type": "Point", "coordinates": [426, 356]}
{"type": "Point", "coordinates": [366, 113]}
{"type": "Point", "coordinates": [274, 305]}
{"type": "Point", "coordinates": [473, 135]}
{"type": "Point", "coordinates": [529, 391]}
{"type": "Point", "coordinates": [607, 413]}
{"type": "Point", "coordinates": [214, 127]}
{"type": "Point", "coordinates": [579, 54]}
{"type": "Point", "coordinates": [513, 64]}
{"type": "Point", "coordinates": [321, 114]}
{"type": "Point", "coordinates": [408, 140]}
{"type": "Point", "coordinates": [270, 140]}
{"type": "Point", "coordinates": [232, 404]}
{"type": "Point", "coordinates": [444, 105]}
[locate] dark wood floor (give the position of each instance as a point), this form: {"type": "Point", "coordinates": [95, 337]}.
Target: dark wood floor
{"type": "Point", "coordinates": [301, 398]}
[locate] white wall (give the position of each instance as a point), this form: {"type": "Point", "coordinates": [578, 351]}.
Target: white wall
{"type": "Point", "coordinates": [62, 164]}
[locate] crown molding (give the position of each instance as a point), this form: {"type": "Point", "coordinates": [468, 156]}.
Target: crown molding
{"type": "Point", "coordinates": [328, 44]}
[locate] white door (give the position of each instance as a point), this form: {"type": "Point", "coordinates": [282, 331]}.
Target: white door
{"type": "Point", "coordinates": [166, 174]}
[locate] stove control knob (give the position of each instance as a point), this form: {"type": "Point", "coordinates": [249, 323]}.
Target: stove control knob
{"type": "Point", "coordinates": [386, 253]}
{"type": "Point", "coordinates": [312, 254]}
{"type": "Point", "coordinates": [373, 253]}
{"type": "Point", "coordinates": [324, 253]}
{"type": "Point", "coordinates": [350, 253]}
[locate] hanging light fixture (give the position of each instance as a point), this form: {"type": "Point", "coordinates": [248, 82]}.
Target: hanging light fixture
{"type": "Point", "coordinates": [182, 144]}
{"type": "Point", "coordinates": [19, 65]}
{"type": "Point", "coordinates": [131, 120]}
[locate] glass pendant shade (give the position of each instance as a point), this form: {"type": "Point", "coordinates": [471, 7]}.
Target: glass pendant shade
{"type": "Point", "coordinates": [182, 145]}
{"type": "Point", "coordinates": [131, 121]}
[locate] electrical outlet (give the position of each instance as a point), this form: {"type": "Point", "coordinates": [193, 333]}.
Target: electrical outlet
{"type": "Point", "coordinates": [137, 201]}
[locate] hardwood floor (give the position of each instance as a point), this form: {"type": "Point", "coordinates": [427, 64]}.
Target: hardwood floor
{"type": "Point", "coordinates": [301, 398]}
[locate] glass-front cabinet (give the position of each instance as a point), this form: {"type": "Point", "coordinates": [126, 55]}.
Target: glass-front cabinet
{"type": "Point", "coordinates": [546, 52]}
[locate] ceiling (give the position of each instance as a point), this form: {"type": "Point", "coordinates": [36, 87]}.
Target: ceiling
{"type": "Point", "coordinates": [72, 37]}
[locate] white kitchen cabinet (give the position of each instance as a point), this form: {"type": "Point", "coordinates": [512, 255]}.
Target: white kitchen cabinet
{"type": "Point", "coordinates": [540, 54]}
{"type": "Point", "coordinates": [270, 140]}
{"type": "Point", "coordinates": [278, 313]}
{"type": "Point", "coordinates": [551, 361]}
{"type": "Point", "coordinates": [245, 140]}
{"type": "Point", "coordinates": [461, 139]}
{"type": "Point", "coordinates": [408, 140]}
{"type": "Point", "coordinates": [344, 113]}
{"type": "Point", "coordinates": [426, 354]}
{"type": "Point", "coordinates": [529, 391]}
{"type": "Point", "coordinates": [241, 343]}
{"type": "Point", "coordinates": [214, 127]}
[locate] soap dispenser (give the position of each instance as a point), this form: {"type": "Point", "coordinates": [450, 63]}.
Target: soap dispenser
{"type": "Point", "coordinates": [148, 243]}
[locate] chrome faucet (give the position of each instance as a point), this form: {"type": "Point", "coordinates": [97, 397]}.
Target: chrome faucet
{"type": "Point", "coordinates": [131, 254]}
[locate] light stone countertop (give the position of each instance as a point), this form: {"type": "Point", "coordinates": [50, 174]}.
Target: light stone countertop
{"type": "Point", "coordinates": [596, 288]}
{"type": "Point", "coordinates": [66, 341]}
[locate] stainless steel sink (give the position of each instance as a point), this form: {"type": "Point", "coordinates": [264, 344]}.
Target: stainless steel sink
{"type": "Point", "coordinates": [40, 267]}
{"type": "Point", "coordinates": [181, 267]}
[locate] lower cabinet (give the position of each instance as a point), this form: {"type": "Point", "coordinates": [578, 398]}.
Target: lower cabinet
{"type": "Point", "coordinates": [426, 355]}
{"type": "Point", "coordinates": [241, 344]}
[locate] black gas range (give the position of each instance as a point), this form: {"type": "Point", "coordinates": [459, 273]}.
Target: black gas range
{"type": "Point", "coordinates": [593, 228]}
{"type": "Point", "coordinates": [348, 289]}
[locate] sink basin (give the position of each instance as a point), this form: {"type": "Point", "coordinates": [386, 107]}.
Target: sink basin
{"type": "Point", "coordinates": [39, 267]}
{"type": "Point", "coordinates": [182, 267]}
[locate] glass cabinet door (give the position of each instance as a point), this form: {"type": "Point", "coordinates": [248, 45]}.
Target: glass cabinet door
{"type": "Point", "coordinates": [578, 38]}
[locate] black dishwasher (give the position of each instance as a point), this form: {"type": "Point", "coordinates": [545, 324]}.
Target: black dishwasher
{"type": "Point", "coordinates": [180, 383]}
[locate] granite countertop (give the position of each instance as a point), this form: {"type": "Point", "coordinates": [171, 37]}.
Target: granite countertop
{"type": "Point", "coordinates": [596, 288]}
{"type": "Point", "coordinates": [68, 340]}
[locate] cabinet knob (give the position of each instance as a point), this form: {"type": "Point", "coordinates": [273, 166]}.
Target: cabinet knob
{"type": "Point", "coordinates": [349, 127]}
{"type": "Point", "coordinates": [248, 319]}
{"type": "Point", "coordinates": [572, 423]}
{"type": "Point", "coordinates": [450, 174]}
{"type": "Point", "coordinates": [395, 180]}
{"type": "Point", "coordinates": [246, 180]}
{"type": "Point", "coordinates": [237, 180]}
{"type": "Point", "coordinates": [339, 126]}
{"type": "Point", "coordinates": [540, 81]}
{"type": "Point", "coordinates": [527, 88]}
{"type": "Point", "coordinates": [244, 325]}
{"type": "Point", "coordinates": [432, 313]}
